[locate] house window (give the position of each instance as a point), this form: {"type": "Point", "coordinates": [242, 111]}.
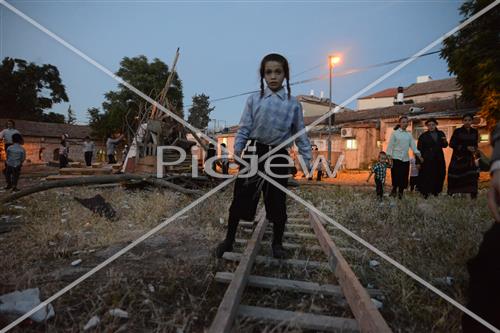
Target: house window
{"type": "Point", "coordinates": [322, 144]}
{"type": "Point", "coordinates": [351, 144]}
{"type": "Point", "coordinates": [484, 138]}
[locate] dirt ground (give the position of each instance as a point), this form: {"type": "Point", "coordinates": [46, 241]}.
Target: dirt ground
{"type": "Point", "coordinates": [166, 284]}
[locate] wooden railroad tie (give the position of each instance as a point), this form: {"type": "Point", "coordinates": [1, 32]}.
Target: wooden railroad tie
{"type": "Point", "coordinates": [349, 293]}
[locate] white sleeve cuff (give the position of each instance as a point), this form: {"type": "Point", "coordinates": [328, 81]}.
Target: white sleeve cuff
{"type": "Point", "coordinates": [495, 166]}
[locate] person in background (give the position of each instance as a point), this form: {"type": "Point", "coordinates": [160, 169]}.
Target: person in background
{"type": "Point", "coordinates": [414, 171]}
{"type": "Point", "coordinates": [316, 155]}
{"type": "Point", "coordinates": [111, 144]}
{"type": "Point", "coordinates": [124, 153]}
{"type": "Point", "coordinates": [6, 136]}
{"type": "Point", "coordinates": [15, 158]}
{"type": "Point", "coordinates": [433, 169]}
{"type": "Point", "coordinates": [63, 154]}
{"type": "Point", "coordinates": [88, 150]}
{"type": "Point", "coordinates": [463, 173]}
{"type": "Point", "coordinates": [400, 142]}
{"type": "Point", "coordinates": [211, 152]}
{"type": "Point", "coordinates": [7, 133]}
{"type": "Point", "coordinates": [484, 268]}
{"type": "Point", "coordinates": [380, 170]}
{"type": "Point", "coordinates": [224, 159]}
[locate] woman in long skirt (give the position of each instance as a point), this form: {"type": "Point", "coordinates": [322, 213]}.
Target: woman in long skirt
{"type": "Point", "coordinates": [463, 173]}
{"type": "Point", "coordinates": [397, 149]}
{"type": "Point", "coordinates": [433, 170]}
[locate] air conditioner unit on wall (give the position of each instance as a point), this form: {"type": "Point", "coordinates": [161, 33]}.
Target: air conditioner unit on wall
{"type": "Point", "coordinates": [347, 133]}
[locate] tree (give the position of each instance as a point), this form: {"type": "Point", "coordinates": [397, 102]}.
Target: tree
{"type": "Point", "coordinates": [122, 107]}
{"type": "Point", "coordinates": [199, 112]}
{"type": "Point", "coordinates": [473, 55]}
{"type": "Point", "coordinates": [98, 123]}
{"type": "Point", "coordinates": [71, 119]}
{"type": "Point", "coordinates": [27, 90]}
{"type": "Point", "coordinates": [52, 117]}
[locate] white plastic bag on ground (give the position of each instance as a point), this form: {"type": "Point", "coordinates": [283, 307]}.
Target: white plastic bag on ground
{"type": "Point", "coordinates": [20, 302]}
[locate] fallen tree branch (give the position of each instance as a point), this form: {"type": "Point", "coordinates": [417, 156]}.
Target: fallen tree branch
{"type": "Point", "coordinates": [91, 180]}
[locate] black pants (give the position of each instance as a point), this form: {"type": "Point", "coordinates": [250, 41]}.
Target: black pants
{"type": "Point", "coordinates": [225, 168]}
{"type": "Point", "coordinates": [399, 173]}
{"type": "Point", "coordinates": [414, 183]}
{"type": "Point", "coordinates": [111, 159]}
{"type": "Point", "coordinates": [88, 158]}
{"type": "Point", "coordinates": [63, 161]}
{"type": "Point", "coordinates": [246, 197]}
{"type": "Point", "coordinates": [484, 286]}
{"type": "Point", "coordinates": [379, 187]}
{"type": "Point", "coordinates": [12, 175]}
{"type": "Point", "coordinates": [318, 176]}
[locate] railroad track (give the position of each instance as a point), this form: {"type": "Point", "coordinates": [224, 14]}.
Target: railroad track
{"type": "Point", "coordinates": [351, 305]}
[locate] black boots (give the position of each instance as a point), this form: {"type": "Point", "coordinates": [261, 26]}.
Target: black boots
{"type": "Point", "coordinates": [278, 251]}
{"type": "Point", "coordinates": [225, 246]}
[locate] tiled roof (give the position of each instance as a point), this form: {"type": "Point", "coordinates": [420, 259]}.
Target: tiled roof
{"type": "Point", "coordinates": [446, 106]}
{"type": "Point", "coordinates": [389, 92]}
{"type": "Point", "coordinates": [423, 88]}
{"type": "Point", "coordinates": [49, 130]}
{"type": "Point", "coordinates": [432, 86]}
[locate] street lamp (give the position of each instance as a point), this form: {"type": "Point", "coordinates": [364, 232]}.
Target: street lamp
{"type": "Point", "coordinates": [332, 61]}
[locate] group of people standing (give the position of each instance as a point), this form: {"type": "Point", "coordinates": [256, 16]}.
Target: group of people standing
{"type": "Point", "coordinates": [429, 168]}
{"type": "Point", "coordinates": [88, 148]}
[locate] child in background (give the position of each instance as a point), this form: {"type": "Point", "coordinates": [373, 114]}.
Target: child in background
{"type": "Point", "coordinates": [88, 150]}
{"type": "Point", "coordinates": [379, 168]}
{"type": "Point", "coordinates": [414, 169]}
{"type": "Point", "coordinates": [63, 154]}
{"type": "Point", "coordinates": [15, 158]}
{"type": "Point", "coordinates": [224, 159]}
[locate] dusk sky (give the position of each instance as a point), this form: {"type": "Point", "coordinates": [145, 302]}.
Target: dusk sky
{"type": "Point", "coordinates": [222, 43]}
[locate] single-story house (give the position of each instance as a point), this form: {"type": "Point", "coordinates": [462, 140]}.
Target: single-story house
{"type": "Point", "coordinates": [361, 135]}
{"type": "Point", "coordinates": [42, 140]}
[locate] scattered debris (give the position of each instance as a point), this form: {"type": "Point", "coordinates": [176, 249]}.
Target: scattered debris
{"type": "Point", "coordinates": [76, 262]}
{"type": "Point", "coordinates": [221, 220]}
{"type": "Point", "coordinates": [151, 288]}
{"type": "Point", "coordinates": [20, 302]}
{"type": "Point", "coordinates": [446, 280]}
{"type": "Point", "coordinates": [64, 220]}
{"type": "Point", "coordinates": [374, 263]}
{"type": "Point", "coordinates": [378, 304]}
{"type": "Point", "coordinates": [98, 205]}
{"type": "Point", "coordinates": [18, 207]}
{"type": "Point", "coordinates": [118, 313]}
{"type": "Point", "coordinates": [93, 322]}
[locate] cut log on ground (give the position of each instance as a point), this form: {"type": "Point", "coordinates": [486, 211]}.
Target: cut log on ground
{"type": "Point", "coordinates": [93, 180]}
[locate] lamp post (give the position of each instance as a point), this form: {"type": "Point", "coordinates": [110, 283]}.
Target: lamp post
{"type": "Point", "coordinates": [332, 61]}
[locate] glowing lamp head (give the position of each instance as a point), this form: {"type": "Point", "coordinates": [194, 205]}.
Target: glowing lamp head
{"type": "Point", "coordinates": [334, 60]}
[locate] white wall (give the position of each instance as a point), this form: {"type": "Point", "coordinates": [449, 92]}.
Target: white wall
{"type": "Point", "coordinates": [373, 103]}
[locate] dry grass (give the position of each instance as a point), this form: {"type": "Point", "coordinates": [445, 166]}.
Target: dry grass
{"type": "Point", "coordinates": [175, 262]}
{"type": "Point", "coordinates": [434, 238]}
